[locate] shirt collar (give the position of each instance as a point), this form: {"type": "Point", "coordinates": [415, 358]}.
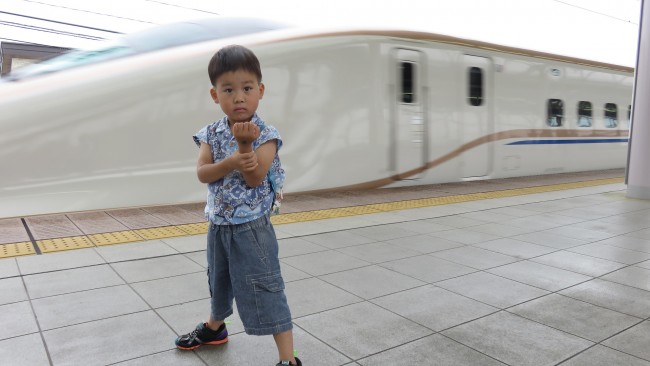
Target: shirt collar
{"type": "Point", "coordinates": [222, 124]}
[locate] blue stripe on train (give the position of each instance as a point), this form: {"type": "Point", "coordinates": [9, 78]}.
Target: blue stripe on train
{"type": "Point", "coordinates": [555, 142]}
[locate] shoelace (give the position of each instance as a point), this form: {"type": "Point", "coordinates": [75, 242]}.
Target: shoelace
{"type": "Point", "coordinates": [193, 334]}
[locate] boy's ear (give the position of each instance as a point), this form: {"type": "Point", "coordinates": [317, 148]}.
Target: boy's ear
{"type": "Point", "coordinates": [261, 90]}
{"type": "Point", "coordinates": [213, 94]}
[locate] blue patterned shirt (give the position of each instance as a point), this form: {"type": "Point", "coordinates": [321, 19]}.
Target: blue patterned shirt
{"type": "Point", "coordinates": [230, 201]}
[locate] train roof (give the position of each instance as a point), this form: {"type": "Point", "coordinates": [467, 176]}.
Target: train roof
{"type": "Point", "coordinates": [422, 36]}
{"type": "Point", "coordinates": [151, 39]}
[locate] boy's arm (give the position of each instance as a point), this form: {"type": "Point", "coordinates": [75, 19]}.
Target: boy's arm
{"type": "Point", "coordinates": [265, 154]}
{"type": "Point", "coordinates": [207, 170]}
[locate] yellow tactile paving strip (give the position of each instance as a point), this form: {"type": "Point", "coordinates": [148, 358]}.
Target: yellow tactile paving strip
{"type": "Point", "coordinates": [120, 237]}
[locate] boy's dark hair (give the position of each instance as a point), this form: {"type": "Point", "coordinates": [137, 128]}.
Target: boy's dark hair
{"type": "Point", "coordinates": [233, 58]}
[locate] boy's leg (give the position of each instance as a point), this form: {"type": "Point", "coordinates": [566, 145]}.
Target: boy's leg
{"type": "Point", "coordinates": [258, 284]}
{"type": "Point", "coordinates": [213, 331]}
{"type": "Point", "coordinates": [284, 342]}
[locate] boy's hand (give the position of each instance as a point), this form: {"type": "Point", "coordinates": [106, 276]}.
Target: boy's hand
{"type": "Point", "coordinates": [245, 133]}
{"type": "Point", "coordinates": [244, 162]}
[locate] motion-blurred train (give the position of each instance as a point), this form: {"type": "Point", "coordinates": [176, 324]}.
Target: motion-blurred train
{"type": "Point", "coordinates": [357, 109]}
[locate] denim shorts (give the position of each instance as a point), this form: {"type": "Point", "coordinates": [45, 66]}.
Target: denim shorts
{"type": "Point", "coordinates": [243, 264]}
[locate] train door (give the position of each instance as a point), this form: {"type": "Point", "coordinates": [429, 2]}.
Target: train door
{"type": "Point", "coordinates": [409, 127]}
{"type": "Point", "coordinates": [476, 119]}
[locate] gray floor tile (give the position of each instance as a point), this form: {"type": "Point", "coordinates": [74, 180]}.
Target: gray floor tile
{"type": "Point", "coordinates": [372, 281]}
{"type": "Point", "coordinates": [501, 230]}
{"type": "Point", "coordinates": [384, 218]}
{"type": "Point", "coordinates": [645, 264]}
{"type": "Point", "coordinates": [187, 244]}
{"type": "Point", "coordinates": [168, 358]}
{"type": "Point", "coordinates": [57, 261]}
{"type": "Point", "coordinates": [604, 356]}
{"type": "Point", "coordinates": [475, 257]}
{"type": "Point", "coordinates": [588, 213]}
{"type": "Point", "coordinates": [550, 240]}
{"type": "Point", "coordinates": [8, 268]}
{"type": "Point", "coordinates": [642, 234]}
{"type": "Point", "coordinates": [582, 234]}
{"type": "Point", "coordinates": [434, 307]}
{"type": "Point", "coordinates": [86, 344]}
{"type": "Point", "coordinates": [81, 307]}
{"type": "Point", "coordinates": [382, 232]}
{"type": "Point", "coordinates": [611, 253]}
{"type": "Point", "coordinates": [174, 290]}
{"type": "Point", "coordinates": [312, 296]}
{"type": "Point", "coordinates": [297, 246]}
{"type": "Point", "coordinates": [421, 226]}
{"type": "Point", "coordinates": [307, 228]}
{"type": "Point", "coordinates": [24, 351]}
{"type": "Point", "coordinates": [536, 222]}
{"type": "Point", "coordinates": [360, 329]}
{"type": "Point", "coordinates": [486, 215]}
{"type": "Point", "coordinates": [457, 221]}
{"type": "Point", "coordinates": [71, 280]}
{"type": "Point", "coordinates": [345, 223]}
{"type": "Point", "coordinates": [378, 252]}
{"type": "Point", "coordinates": [132, 251]}
{"type": "Point", "coordinates": [579, 263]}
{"type": "Point", "coordinates": [428, 268]}
{"type": "Point", "coordinates": [17, 319]}
{"type": "Point", "coordinates": [425, 243]}
{"type": "Point", "coordinates": [575, 317]}
{"type": "Point", "coordinates": [12, 290]}
{"type": "Point", "coordinates": [491, 289]}
{"type": "Point", "coordinates": [199, 258]}
{"type": "Point", "coordinates": [324, 262]}
{"type": "Point", "coordinates": [515, 248]}
{"type": "Point", "coordinates": [154, 268]}
{"type": "Point", "coordinates": [539, 275]}
{"type": "Point", "coordinates": [608, 227]}
{"type": "Point", "coordinates": [291, 274]}
{"type": "Point", "coordinates": [634, 341]}
{"type": "Point", "coordinates": [515, 211]}
{"type": "Point", "coordinates": [628, 242]}
{"type": "Point", "coordinates": [610, 295]}
{"type": "Point", "coordinates": [517, 341]}
{"type": "Point", "coordinates": [338, 239]}
{"type": "Point", "coordinates": [432, 350]}
{"type": "Point", "coordinates": [243, 349]}
{"type": "Point", "coordinates": [465, 236]}
{"type": "Point", "coordinates": [632, 276]}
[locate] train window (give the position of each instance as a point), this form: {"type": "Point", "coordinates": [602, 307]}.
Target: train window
{"type": "Point", "coordinates": [407, 71]}
{"type": "Point", "coordinates": [475, 97]}
{"type": "Point", "coordinates": [584, 114]}
{"type": "Point", "coordinates": [611, 115]}
{"type": "Point", "coordinates": [555, 112]}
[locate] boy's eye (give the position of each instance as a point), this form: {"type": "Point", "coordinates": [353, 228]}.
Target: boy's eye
{"type": "Point", "coordinates": [248, 88]}
{"type": "Point", "coordinates": [228, 90]}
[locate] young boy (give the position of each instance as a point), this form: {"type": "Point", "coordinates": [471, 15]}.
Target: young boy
{"type": "Point", "coordinates": [238, 159]}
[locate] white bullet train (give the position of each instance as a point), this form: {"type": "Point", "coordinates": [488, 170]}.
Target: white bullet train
{"type": "Point", "coordinates": [357, 109]}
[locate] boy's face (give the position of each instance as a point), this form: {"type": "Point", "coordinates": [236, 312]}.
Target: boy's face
{"type": "Point", "coordinates": [238, 93]}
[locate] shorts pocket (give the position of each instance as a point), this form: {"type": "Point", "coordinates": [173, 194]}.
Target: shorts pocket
{"type": "Point", "coordinates": [270, 300]}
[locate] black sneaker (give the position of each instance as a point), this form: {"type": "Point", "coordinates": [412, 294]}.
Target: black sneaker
{"type": "Point", "coordinates": [202, 335]}
{"type": "Point", "coordinates": [284, 363]}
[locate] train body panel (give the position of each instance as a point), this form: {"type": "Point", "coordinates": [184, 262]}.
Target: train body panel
{"type": "Point", "coordinates": [355, 110]}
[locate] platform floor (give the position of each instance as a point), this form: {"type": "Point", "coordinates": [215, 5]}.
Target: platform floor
{"type": "Point", "coordinates": [556, 277]}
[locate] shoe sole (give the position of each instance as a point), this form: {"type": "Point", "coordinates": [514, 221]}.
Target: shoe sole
{"type": "Point", "coordinates": [213, 343]}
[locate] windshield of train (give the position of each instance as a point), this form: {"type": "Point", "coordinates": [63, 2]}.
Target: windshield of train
{"type": "Point", "coordinates": [156, 38]}
{"type": "Point", "coordinates": [71, 59]}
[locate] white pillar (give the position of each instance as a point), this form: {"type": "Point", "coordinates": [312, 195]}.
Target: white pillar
{"type": "Point", "coordinates": [638, 161]}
